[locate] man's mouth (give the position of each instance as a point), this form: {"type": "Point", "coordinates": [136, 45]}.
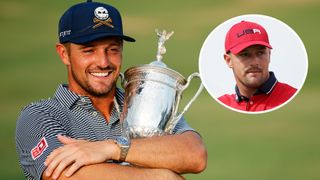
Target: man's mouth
{"type": "Point", "coordinates": [101, 74]}
{"type": "Point", "coordinates": [254, 70]}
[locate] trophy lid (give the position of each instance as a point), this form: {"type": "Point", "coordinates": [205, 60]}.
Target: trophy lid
{"type": "Point", "coordinates": [158, 64]}
{"type": "Point", "coordinates": [157, 67]}
{"type": "Point", "coordinates": [163, 36]}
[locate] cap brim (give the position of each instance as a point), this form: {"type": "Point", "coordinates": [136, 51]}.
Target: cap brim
{"type": "Point", "coordinates": [85, 40]}
{"type": "Point", "coordinates": [240, 47]}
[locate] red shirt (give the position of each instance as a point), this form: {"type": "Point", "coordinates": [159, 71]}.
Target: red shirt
{"type": "Point", "coordinates": [279, 94]}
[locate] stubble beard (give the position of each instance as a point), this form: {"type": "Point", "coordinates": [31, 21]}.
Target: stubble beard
{"type": "Point", "coordinates": [253, 83]}
{"type": "Point", "coordinates": [85, 85]}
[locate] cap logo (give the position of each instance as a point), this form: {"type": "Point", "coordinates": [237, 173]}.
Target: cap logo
{"type": "Point", "coordinates": [248, 31]}
{"type": "Point", "coordinates": [65, 33]}
{"type": "Point", "coordinates": [102, 18]}
{"type": "Point", "coordinates": [101, 13]}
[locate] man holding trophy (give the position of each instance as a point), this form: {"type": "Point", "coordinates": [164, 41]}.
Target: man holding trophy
{"type": "Point", "coordinates": [83, 131]}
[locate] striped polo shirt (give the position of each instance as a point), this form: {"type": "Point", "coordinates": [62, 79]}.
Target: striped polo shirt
{"type": "Point", "coordinates": [69, 114]}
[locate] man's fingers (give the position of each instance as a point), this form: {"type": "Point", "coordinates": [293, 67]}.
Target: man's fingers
{"type": "Point", "coordinates": [75, 154]}
{"type": "Point", "coordinates": [55, 159]}
{"type": "Point", "coordinates": [74, 167]}
{"type": "Point", "coordinates": [62, 166]}
{"type": "Point", "coordinates": [52, 155]}
{"type": "Point", "coordinates": [53, 165]}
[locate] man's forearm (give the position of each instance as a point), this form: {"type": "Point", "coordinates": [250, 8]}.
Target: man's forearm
{"type": "Point", "coordinates": [115, 171]}
{"type": "Point", "coordinates": [184, 153]}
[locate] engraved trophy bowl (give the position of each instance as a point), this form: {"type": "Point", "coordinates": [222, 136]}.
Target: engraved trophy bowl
{"type": "Point", "coordinates": [152, 96]}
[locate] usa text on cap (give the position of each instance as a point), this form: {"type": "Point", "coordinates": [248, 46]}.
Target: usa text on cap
{"type": "Point", "coordinates": [245, 34]}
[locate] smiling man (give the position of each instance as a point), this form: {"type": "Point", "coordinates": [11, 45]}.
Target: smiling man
{"type": "Point", "coordinates": [76, 134]}
{"type": "Point", "coordinates": [248, 55]}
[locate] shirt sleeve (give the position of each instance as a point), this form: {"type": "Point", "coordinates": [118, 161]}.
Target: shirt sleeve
{"type": "Point", "coordinates": [182, 126]}
{"type": "Point", "coordinates": [36, 137]}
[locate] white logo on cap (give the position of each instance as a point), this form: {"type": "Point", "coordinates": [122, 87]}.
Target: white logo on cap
{"type": "Point", "coordinates": [101, 13]}
{"type": "Point", "coordinates": [256, 31]}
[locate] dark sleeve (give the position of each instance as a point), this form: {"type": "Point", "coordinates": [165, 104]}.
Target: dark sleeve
{"type": "Point", "coordinates": [36, 137]}
{"type": "Point", "coordinates": [182, 126]}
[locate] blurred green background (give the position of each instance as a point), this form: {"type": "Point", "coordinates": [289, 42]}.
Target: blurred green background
{"type": "Point", "coordinates": [281, 145]}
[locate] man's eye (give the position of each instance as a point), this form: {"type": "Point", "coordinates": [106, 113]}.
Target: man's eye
{"type": "Point", "coordinates": [87, 50]}
{"type": "Point", "coordinates": [244, 54]}
{"type": "Point", "coordinates": [261, 52]}
{"type": "Point", "coordinates": [114, 50]}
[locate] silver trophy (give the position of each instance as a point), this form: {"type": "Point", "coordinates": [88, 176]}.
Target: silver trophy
{"type": "Point", "coordinates": [152, 96]}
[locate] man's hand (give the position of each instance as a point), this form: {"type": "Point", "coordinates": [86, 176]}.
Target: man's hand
{"type": "Point", "coordinates": [77, 153]}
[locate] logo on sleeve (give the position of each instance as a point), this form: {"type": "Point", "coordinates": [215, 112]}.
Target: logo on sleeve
{"type": "Point", "coordinates": [39, 149]}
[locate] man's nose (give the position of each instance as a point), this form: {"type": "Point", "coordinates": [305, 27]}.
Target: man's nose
{"type": "Point", "coordinates": [256, 59]}
{"type": "Point", "coordinates": [103, 59]}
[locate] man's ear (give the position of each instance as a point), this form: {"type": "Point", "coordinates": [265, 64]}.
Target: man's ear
{"type": "Point", "coordinates": [63, 53]}
{"type": "Point", "coordinates": [227, 59]}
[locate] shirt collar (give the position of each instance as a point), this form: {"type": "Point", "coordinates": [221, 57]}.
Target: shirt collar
{"type": "Point", "coordinates": [266, 88]}
{"type": "Point", "coordinates": [68, 98]}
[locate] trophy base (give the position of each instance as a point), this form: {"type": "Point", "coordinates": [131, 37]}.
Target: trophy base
{"type": "Point", "coordinates": [141, 132]}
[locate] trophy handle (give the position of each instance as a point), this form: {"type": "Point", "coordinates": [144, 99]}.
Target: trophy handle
{"type": "Point", "coordinates": [169, 128]}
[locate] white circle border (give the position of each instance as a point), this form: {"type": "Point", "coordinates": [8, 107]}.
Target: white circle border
{"type": "Point", "coordinates": [225, 26]}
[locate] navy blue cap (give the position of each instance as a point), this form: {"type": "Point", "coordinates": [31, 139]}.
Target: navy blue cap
{"type": "Point", "coordinates": [89, 21]}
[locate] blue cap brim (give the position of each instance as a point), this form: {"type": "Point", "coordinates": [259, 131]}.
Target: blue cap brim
{"type": "Point", "coordinates": [86, 39]}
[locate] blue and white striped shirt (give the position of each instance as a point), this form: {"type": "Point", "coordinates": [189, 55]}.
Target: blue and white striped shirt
{"type": "Point", "coordinates": [69, 114]}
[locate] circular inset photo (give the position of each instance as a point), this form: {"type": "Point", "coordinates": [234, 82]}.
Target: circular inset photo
{"type": "Point", "coordinates": [253, 64]}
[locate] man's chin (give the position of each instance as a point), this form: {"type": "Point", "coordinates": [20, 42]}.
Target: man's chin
{"type": "Point", "coordinates": [99, 92]}
{"type": "Point", "coordinates": [254, 75]}
{"type": "Point", "coordinates": [254, 84]}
